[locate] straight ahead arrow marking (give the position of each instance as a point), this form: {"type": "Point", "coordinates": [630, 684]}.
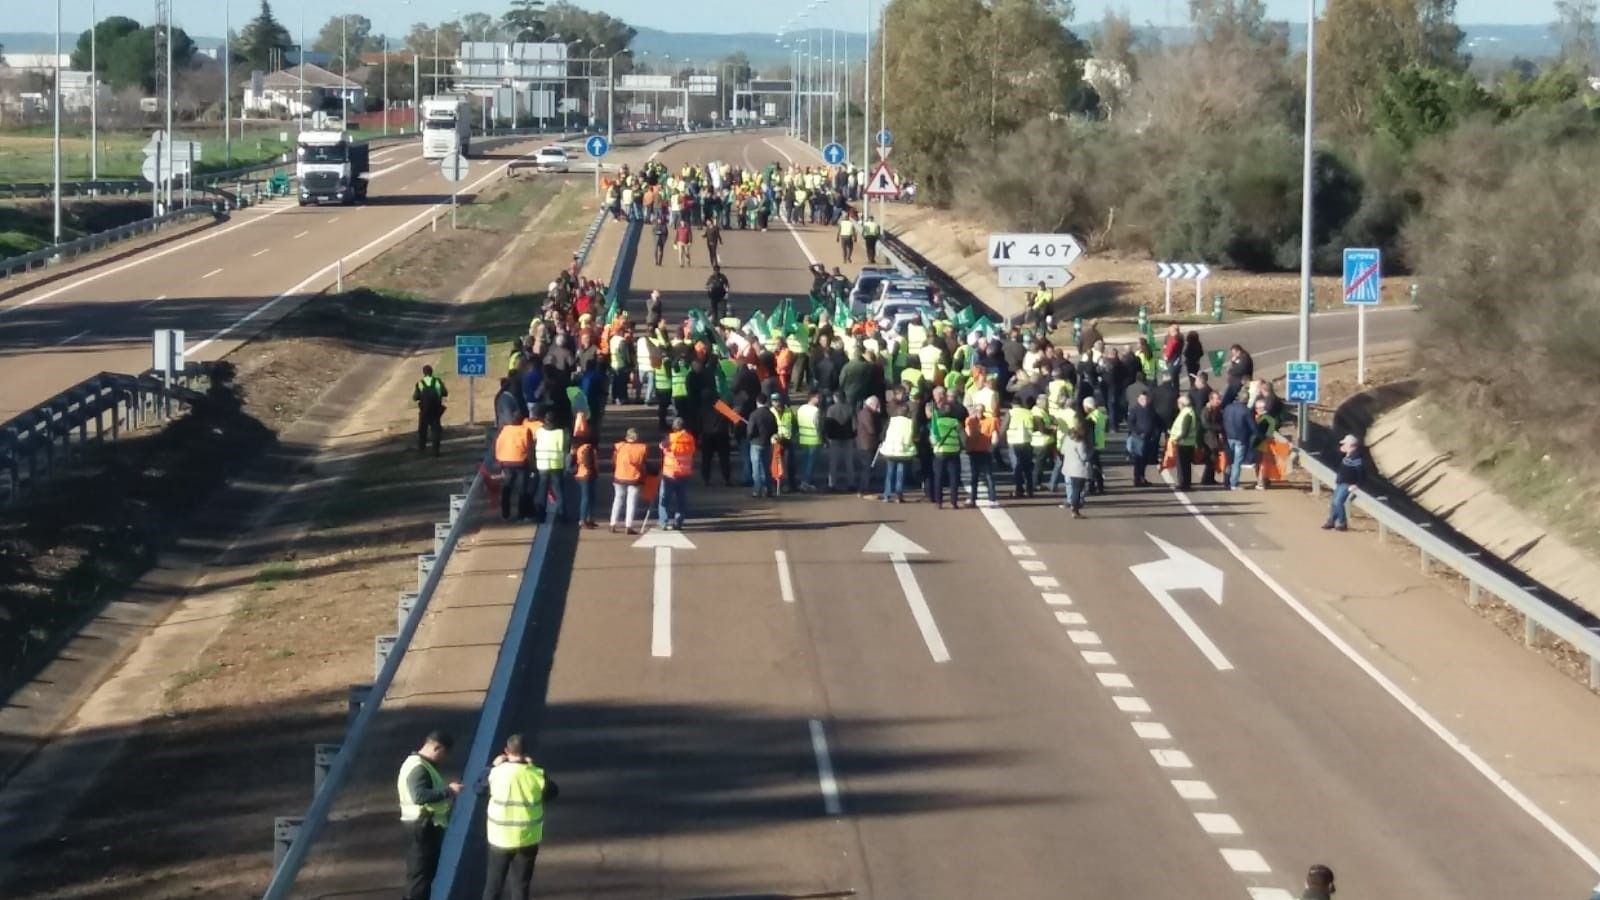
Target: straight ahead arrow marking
{"type": "Point", "coordinates": [1182, 570]}
{"type": "Point", "coordinates": [897, 547]}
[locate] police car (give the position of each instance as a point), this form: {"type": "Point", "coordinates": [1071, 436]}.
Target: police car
{"type": "Point", "coordinates": [902, 300]}
{"type": "Point", "coordinates": [865, 289]}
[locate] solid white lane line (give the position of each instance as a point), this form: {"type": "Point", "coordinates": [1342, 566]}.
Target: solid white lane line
{"type": "Point", "coordinates": [1003, 525]}
{"type": "Point", "coordinates": [1151, 731]}
{"type": "Point", "coordinates": [1020, 550]}
{"type": "Point", "coordinates": [1098, 658]}
{"type": "Point", "coordinates": [1056, 599]}
{"type": "Point", "coordinates": [1032, 565]}
{"type": "Point", "coordinates": [210, 273]}
{"type": "Point", "coordinates": [1193, 790]}
{"type": "Point", "coordinates": [661, 605]}
{"type": "Point", "coordinates": [263, 250]}
{"type": "Point", "coordinates": [825, 779]}
{"type": "Point", "coordinates": [301, 235]}
{"type": "Point", "coordinates": [1171, 759]}
{"type": "Point", "coordinates": [1071, 618]}
{"type": "Point", "coordinates": [1084, 637]}
{"type": "Point", "coordinates": [785, 582]}
{"type": "Point", "coordinates": [1511, 791]}
{"type": "Point", "coordinates": [1137, 705]}
{"type": "Point", "coordinates": [73, 338]}
{"type": "Point", "coordinates": [333, 220]}
{"type": "Point", "coordinates": [1218, 823]}
{"type": "Point", "coordinates": [1044, 581]}
{"type": "Point", "coordinates": [139, 260]}
{"type": "Point", "coordinates": [1247, 861]}
{"type": "Point", "coordinates": [1115, 680]}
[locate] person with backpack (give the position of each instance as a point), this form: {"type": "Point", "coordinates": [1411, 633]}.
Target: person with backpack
{"type": "Point", "coordinates": [429, 394]}
{"type": "Point", "coordinates": [717, 289]}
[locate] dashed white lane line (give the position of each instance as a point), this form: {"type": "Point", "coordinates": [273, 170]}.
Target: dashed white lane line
{"type": "Point", "coordinates": [261, 252]}
{"type": "Point", "coordinates": [1044, 581]}
{"type": "Point", "coordinates": [1135, 705]}
{"type": "Point", "coordinates": [1193, 790]}
{"type": "Point", "coordinates": [1114, 680]}
{"type": "Point", "coordinates": [1171, 759]}
{"type": "Point", "coordinates": [1071, 618]}
{"type": "Point", "coordinates": [1003, 525]}
{"type": "Point", "coordinates": [1151, 731]}
{"type": "Point", "coordinates": [333, 220]}
{"type": "Point", "coordinates": [1245, 861]}
{"type": "Point", "coordinates": [301, 235]}
{"type": "Point", "coordinates": [1218, 823]}
{"type": "Point", "coordinates": [1032, 565]}
{"type": "Point", "coordinates": [785, 580]}
{"type": "Point", "coordinates": [1057, 599]}
{"type": "Point", "coordinates": [825, 780]}
{"type": "Point", "coordinates": [1261, 893]}
{"type": "Point", "coordinates": [1020, 550]}
{"type": "Point", "coordinates": [1099, 658]}
{"type": "Point", "coordinates": [1088, 638]}
{"type": "Point", "coordinates": [69, 340]}
{"type": "Point", "coordinates": [210, 273]}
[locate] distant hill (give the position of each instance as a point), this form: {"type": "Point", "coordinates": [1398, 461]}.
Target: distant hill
{"type": "Point", "coordinates": [1482, 41]}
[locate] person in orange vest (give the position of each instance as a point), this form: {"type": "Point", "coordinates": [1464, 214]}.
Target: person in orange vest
{"type": "Point", "coordinates": [981, 426]}
{"type": "Point", "coordinates": [627, 477]}
{"type": "Point", "coordinates": [583, 471]}
{"type": "Point", "coordinates": [677, 467]}
{"type": "Point", "coordinates": [511, 447]}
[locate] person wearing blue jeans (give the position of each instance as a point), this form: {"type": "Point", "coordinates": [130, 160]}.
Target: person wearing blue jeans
{"type": "Point", "coordinates": [894, 481]}
{"type": "Point", "coordinates": [898, 450]}
{"type": "Point", "coordinates": [762, 427]}
{"type": "Point", "coordinates": [1239, 427]}
{"type": "Point", "coordinates": [1348, 477]}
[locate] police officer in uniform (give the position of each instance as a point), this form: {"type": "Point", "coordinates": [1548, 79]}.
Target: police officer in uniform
{"type": "Point", "coordinates": [425, 811]}
{"type": "Point", "coordinates": [517, 791]}
{"type": "Point", "coordinates": [870, 232]}
{"type": "Point", "coordinates": [429, 396]}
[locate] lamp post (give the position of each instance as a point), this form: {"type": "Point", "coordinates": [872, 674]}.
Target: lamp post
{"type": "Point", "coordinates": [56, 153]}
{"type": "Point", "coordinates": [611, 93]}
{"type": "Point", "coordinates": [227, 80]}
{"type": "Point", "coordinates": [94, 92]}
{"type": "Point", "coordinates": [1306, 235]}
{"type": "Point", "coordinates": [866, 100]}
{"type": "Point", "coordinates": [588, 69]}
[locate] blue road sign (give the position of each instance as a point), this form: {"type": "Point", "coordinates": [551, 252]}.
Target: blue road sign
{"type": "Point", "coordinates": [1363, 276]}
{"type": "Point", "coordinates": [597, 145]}
{"type": "Point", "coordinates": [1304, 382]}
{"type": "Point", "coordinates": [886, 138]}
{"type": "Point", "coordinates": [833, 154]}
{"type": "Point", "coordinates": [472, 355]}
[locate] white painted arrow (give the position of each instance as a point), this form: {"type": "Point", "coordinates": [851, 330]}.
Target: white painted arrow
{"type": "Point", "coordinates": [663, 542]}
{"type": "Point", "coordinates": [1182, 570]}
{"type": "Point", "coordinates": [897, 547]}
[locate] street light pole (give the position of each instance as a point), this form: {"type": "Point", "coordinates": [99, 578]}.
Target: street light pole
{"type": "Point", "coordinates": [1306, 235]}
{"type": "Point", "coordinates": [344, 69]}
{"type": "Point", "coordinates": [386, 84]}
{"type": "Point", "coordinates": [227, 80]}
{"type": "Point", "coordinates": [866, 98]}
{"type": "Point", "coordinates": [300, 67]}
{"type": "Point", "coordinates": [94, 93]}
{"type": "Point", "coordinates": [169, 141]}
{"type": "Point", "coordinates": [56, 153]}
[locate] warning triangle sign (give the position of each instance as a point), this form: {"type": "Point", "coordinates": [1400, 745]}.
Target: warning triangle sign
{"type": "Point", "coordinates": [883, 183]}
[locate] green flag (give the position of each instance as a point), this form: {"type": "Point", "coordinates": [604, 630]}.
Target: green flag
{"type": "Point", "coordinates": [758, 326]}
{"type": "Point", "coordinates": [1217, 357]}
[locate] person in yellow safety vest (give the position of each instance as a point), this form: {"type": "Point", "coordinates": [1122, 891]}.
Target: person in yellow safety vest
{"type": "Point", "coordinates": [912, 378]}
{"type": "Point", "coordinates": [1147, 361]}
{"type": "Point", "coordinates": [1039, 305]}
{"type": "Point", "coordinates": [1097, 445]}
{"type": "Point", "coordinates": [1043, 441]}
{"type": "Point", "coordinates": [1059, 391]}
{"type": "Point", "coordinates": [1184, 436]}
{"type": "Point", "coordinates": [425, 799]}
{"type": "Point", "coordinates": [898, 450]}
{"type": "Point", "coordinates": [783, 441]}
{"type": "Point", "coordinates": [429, 395]}
{"type": "Point", "coordinates": [514, 821]}
{"type": "Point", "coordinates": [871, 231]}
{"type": "Point", "coordinates": [947, 437]}
{"type": "Point", "coordinates": [549, 467]}
{"type": "Point", "coordinates": [847, 238]}
{"type": "Point", "coordinates": [1019, 440]}
{"type": "Point", "coordinates": [808, 426]}
{"type": "Point", "coordinates": [930, 357]}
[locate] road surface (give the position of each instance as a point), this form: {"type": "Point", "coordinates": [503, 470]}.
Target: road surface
{"type": "Point", "coordinates": [846, 698]}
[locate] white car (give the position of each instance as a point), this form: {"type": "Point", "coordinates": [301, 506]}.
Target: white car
{"type": "Point", "coordinates": [550, 159]}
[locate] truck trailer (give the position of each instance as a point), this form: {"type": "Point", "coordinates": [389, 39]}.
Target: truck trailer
{"type": "Point", "coordinates": [446, 126]}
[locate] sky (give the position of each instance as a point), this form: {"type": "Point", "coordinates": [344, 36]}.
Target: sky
{"type": "Point", "coordinates": [206, 17]}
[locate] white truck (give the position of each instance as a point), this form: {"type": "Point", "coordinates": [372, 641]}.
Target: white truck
{"type": "Point", "coordinates": [446, 126]}
{"type": "Point", "coordinates": [331, 168]}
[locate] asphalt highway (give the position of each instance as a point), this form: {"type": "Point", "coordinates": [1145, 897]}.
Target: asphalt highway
{"type": "Point", "coordinates": [822, 696]}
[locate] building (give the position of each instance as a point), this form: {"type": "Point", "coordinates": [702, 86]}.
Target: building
{"type": "Point", "coordinates": [75, 93]}
{"type": "Point", "coordinates": [280, 92]}
{"type": "Point", "coordinates": [36, 62]}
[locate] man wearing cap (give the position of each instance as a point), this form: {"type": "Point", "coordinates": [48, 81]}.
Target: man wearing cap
{"type": "Point", "coordinates": [1351, 468]}
{"type": "Point", "coordinates": [425, 811]}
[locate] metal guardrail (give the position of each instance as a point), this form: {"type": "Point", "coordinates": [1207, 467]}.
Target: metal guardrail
{"type": "Point", "coordinates": [48, 429]}
{"type": "Point", "coordinates": [58, 252]}
{"type": "Point", "coordinates": [1538, 615]}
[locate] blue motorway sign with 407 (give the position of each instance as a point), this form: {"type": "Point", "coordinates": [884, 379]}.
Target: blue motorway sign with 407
{"type": "Point", "coordinates": [472, 355]}
{"type": "Point", "coordinates": [1303, 382]}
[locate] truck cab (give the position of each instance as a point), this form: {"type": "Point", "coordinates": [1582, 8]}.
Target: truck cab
{"type": "Point", "coordinates": [446, 126]}
{"type": "Point", "coordinates": [331, 168]}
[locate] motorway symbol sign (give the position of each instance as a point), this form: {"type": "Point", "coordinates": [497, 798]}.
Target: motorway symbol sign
{"type": "Point", "coordinates": [1363, 276]}
{"type": "Point", "coordinates": [597, 145]}
{"type": "Point", "coordinates": [1303, 382]}
{"type": "Point", "coordinates": [883, 183]}
{"type": "Point", "coordinates": [1033, 250]}
{"type": "Point", "coordinates": [883, 152]}
{"type": "Point", "coordinates": [1030, 276]}
{"type": "Point", "coordinates": [885, 138]}
{"type": "Point", "coordinates": [472, 355]}
{"type": "Point", "coordinates": [454, 168]}
{"type": "Point", "coordinates": [1167, 271]}
{"type": "Point", "coordinates": [833, 154]}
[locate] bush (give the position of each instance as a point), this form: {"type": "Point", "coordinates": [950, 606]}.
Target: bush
{"type": "Point", "coordinates": [16, 243]}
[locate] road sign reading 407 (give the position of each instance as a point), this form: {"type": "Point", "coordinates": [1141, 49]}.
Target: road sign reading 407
{"type": "Point", "coordinates": [1007, 250]}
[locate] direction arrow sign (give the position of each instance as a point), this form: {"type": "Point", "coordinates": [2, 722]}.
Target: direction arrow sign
{"type": "Point", "coordinates": [1363, 278]}
{"type": "Point", "coordinates": [883, 183]}
{"type": "Point", "coordinates": [1168, 271]}
{"type": "Point", "coordinates": [887, 541]}
{"type": "Point", "coordinates": [885, 138]}
{"type": "Point", "coordinates": [597, 145]}
{"type": "Point", "coordinates": [1182, 570]}
{"type": "Point", "coordinates": [663, 542]}
{"type": "Point", "coordinates": [1030, 276]}
{"type": "Point", "coordinates": [833, 154]}
{"type": "Point", "coordinates": [1033, 250]}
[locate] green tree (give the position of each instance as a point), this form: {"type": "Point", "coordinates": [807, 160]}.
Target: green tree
{"type": "Point", "coordinates": [1418, 102]}
{"type": "Point", "coordinates": [446, 36]}
{"type": "Point", "coordinates": [595, 29]}
{"type": "Point", "coordinates": [107, 33]}
{"type": "Point", "coordinates": [1575, 30]}
{"type": "Point", "coordinates": [346, 38]}
{"type": "Point", "coordinates": [127, 56]}
{"type": "Point", "coordinates": [735, 66]}
{"type": "Point", "coordinates": [526, 20]}
{"type": "Point", "coordinates": [479, 26]}
{"type": "Point", "coordinates": [263, 40]}
{"type": "Point", "coordinates": [1361, 41]}
{"type": "Point", "coordinates": [1518, 93]}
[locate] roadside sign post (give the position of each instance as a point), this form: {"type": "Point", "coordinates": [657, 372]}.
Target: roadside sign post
{"type": "Point", "coordinates": [597, 146]}
{"type": "Point", "coordinates": [1027, 260]}
{"type": "Point", "coordinates": [1363, 287]}
{"type": "Point", "coordinates": [1170, 271]}
{"type": "Point", "coordinates": [884, 140]}
{"type": "Point", "coordinates": [472, 363]}
{"type": "Point", "coordinates": [1302, 385]}
{"type": "Point", "coordinates": [454, 168]}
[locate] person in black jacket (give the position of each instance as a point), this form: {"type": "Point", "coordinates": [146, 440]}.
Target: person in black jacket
{"type": "Point", "coordinates": [1239, 428]}
{"type": "Point", "coordinates": [763, 427]}
{"type": "Point", "coordinates": [1144, 436]}
{"type": "Point", "coordinates": [716, 439]}
{"type": "Point", "coordinates": [1351, 470]}
{"type": "Point", "coordinates": [1164, 400]}
{"type": "Point", "coordinates": [1194, 355]}
{"type": "Point", "coordinates": [839, 428]}
{"type": "Point", "coordinates": [1241, 371]}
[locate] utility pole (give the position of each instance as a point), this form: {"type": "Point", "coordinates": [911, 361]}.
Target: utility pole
{"type": "Point", "coordinates": [344, 70]}
{"type": "Point", "coordinates": [1306, 235]}
{"type": "Point", "coordinates": [94, 92]}
{"type": "Point", "coordinates": [386, 85]}
{"type": "Point", "coordinates": [167, 8]}
{"type": "Point", "coordinates": [300, 67]}
{"type": "Point", "coordinates": [56, 154]}
{"type": "Point", "coordinates": [227, 80]}
{"type": "Point", "coordinates": [866, 97]}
